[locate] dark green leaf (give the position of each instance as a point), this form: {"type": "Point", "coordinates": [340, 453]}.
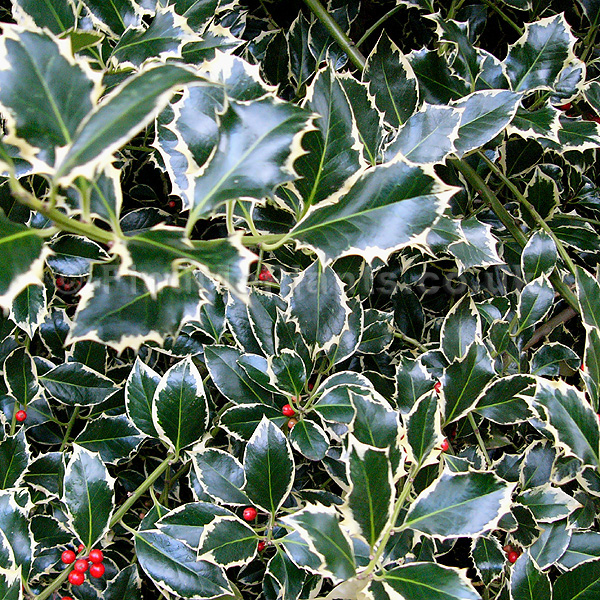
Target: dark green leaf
{"type": "Point", "coordinates": [20, 376]}
{"type": "Point", "coordinates": [14, 459]}
{"type": "Point", "coordinates": [582, 583]}
{"type": "Point", "coordinates": [228, 542]}
{"type": "Point", "coordinates": [539, 256]}
{"type": "Point", "coordinates": [412, 381]}
{"type": "Point", "coordinates": [139, 391]}
{"type": "Point", "coordinates": [461, 327]}
{"type": "Point", "coordinates": [423, 428]}
{"type": "Point", "coordinates": [584, 546]}
{"type": "Point", "coordinates": [173, 567]}
{"type": "Point", "coordinates": [488, 557]}
{"type": "Point", "coordinates": [507, 400]}
{"type": "Point", "coordinates": [88, 495]}
{"type": "Point", "coordinates": [14, 524]}
{"type": "Point", "coordinates": [57, 15]}
{"type": "Point", "coordinates": [269, 467]}
{"type": "Point", "coordinates": [405, 197]}
{"type": "Point", "coordinates": [241, 421]}
{"type": "Point", "coordinates": [114, 16]}
{"type": "Point", "coordinates": [126, 585]}
{"type": "Point", "coordinates": [459, 504]}
{"type": "Point", "coordinates": [527, 582]}
{"type": "Point", "coordinates": [309, 439]}
{"type": "Point", "coordinates": [29, 308]}
{"type": "Point", "coordinates": [535, 300]}
{"type": "Point", "coordinates": [549, 358]}
{"type": "Point", "coordinates": [114, 438]}
{"type": "Point", "coordinates": [551, 544]}
{"type": "Point", "coordinates": [319, 527]}
{"type": "Point", "coordinates": [73, 255]}
{"type": "Point", "coordinates": [180, 407]}
{"type": "Point", "coordinates": [221, 476]}
{"type": "Point", "coordinates": [547, 503]}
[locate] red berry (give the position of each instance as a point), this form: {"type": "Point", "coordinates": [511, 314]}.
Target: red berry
{"type": "Point", "coordinates": [67, 598]}
{"type": "Point", "coordinates": [249, 514]}
{"type": "Point", "coordinates": [445, 445]}
{"type": "Point", "coordinates": [288, 411]}
{"type": "Point", "coordinates": [566, 106]}
{"type": "Point", "coordinates": [508, 548]}
{"type": "Point", "coordinates": [311, 386]}
{"type": "Point", "coordinates": [59, 282]}
{"type": "Point", "coordinates": [438, 386]}
{"type": "Point", "coordinates": [97, 570]}
{"type": "Point", "coordinates": [80, 548]}
{"type": "Point", "coordinates": [261, 546]}
{"type": "Point", "coordinates": [96, 556]}
{"type": "Point", "coordinates": [172, 203]}
{"type": "Point", "coordinates": [21, 416]}
{"type": "Point", "coordinates": [291, 423]}
{"type": "Point", "coordinates": [68, 557]}
{"type": "Point", "coordinates": [76, 578]}
{"type": "Point", "coordinates": [81, 565]}
{"type": "Point", "coordinates": [265, 275]}
{"type": "Point", "coordinates": [512, 556]}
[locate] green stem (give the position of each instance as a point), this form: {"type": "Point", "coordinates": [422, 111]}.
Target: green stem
{"type": "Point", "coordinates": [408, 483]}
{"type": "Point", "coordinates": [69, 428]}
{"type": "Point", "coordinates": [229, 217]}
{"type": "Point", "coordinates": [410, 341]}
{"type": "Point", "coordinates": [507, 220]}
{"type": "Point", "coordinates": [139, 492]}
{"type": "Point", "coordinates": [378, 24]}
{"type": "Point", "coordinates": [336, 32]}
{"type": "Point", "coordinates": [65, 222]}
{"type": "Point", "coordinates": [504, 16]}
{"type": "Point", "coordinates": [479, 439]}
{"type": "Point", "coordinates": [532, 211]}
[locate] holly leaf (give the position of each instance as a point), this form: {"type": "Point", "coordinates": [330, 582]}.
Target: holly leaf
{"type": "Point", "coordinates": [14, 524]}
{"type": "Point", "coordinates": [535, 300]}
{"type": "Point", "coordinates": [391, 81]}
{"type": "Point", "coordinates": [139, 391]}
{"type": "Point", "coordinates": [318, 526]}
{"type": "Point", "coordinates": [20, 376]}
{"type": "Point", "coordinates": [583, 583]}
{"type": "Point", "coordinates": [461, 327]}
{"type": "Point", "coordinates": [228, 542]}
{"type": "Point", "coordinates": [539, 256]}
{"type": "Point", "coordinates": [57, 15]}
{"type": "Point", "coordinates": [179, 406]}
{"type": "Point", "coordinates": [25, 253]}
{"type": "Point", "coordinates": [528, 582]}
{"type": "Point", "coordinates": [88, 494]}
{"type": "Point", "coordinates": [370, 498]}
{"type": "Point", "coordinates": [309, 439]}
{"type": "Point", "coordinates": [174, 567]}
{"type": "Point", "coordinates": [114, 16]}
{"type": "Point", "coordinates": [423, 429]}
{"type": "Point", "coordinates": [535, 60]}
{"type": "Point", "coordinates": [29, 308]}
{"type": "Point", "coordinates": [269, 467]}
{"type": "Point", "coordinates": [488, 557]}
{"type": "Point", "coordinates": [405, 197]}
{"type": "Point", "coordinates": [459, 504]}
{"type": "Point", "coordinates": [14, 459]}
{"type": "Point", "coordinates": [507, 400]}
{"type": "Point", "coordinates": [332, 150]}
{"type": "Point", "coordinates": [221, 476]}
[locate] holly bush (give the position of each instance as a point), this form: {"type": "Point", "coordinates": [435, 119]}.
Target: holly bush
{"type": "Point", "coordinates": [288, 316]}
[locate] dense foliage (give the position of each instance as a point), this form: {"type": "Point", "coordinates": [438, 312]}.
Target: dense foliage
{"type": "Point", "coordinates": [282, 321]}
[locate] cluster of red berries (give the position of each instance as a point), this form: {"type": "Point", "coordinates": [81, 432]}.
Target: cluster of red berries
{"type": "Point", "coordinates": [93, 562]}
{"type": "Point", "coordinates": [249, 515]}
{"type": "Point", "coordinates": [511, 554]}
{"type": "Point", "coordinates": [265, 275]}
{"type": "Point", "coordinates": [20, 416]}
{"type": "Point", "coordinates": [288, 411]}
{"type": "Point", "coordinates": [68, 285]}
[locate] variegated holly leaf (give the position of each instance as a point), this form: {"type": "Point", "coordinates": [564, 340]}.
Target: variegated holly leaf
{"type": "Point", "coordinates": [405, 197]}
{"type": "Point", "coordinates": [116, 16]}
{"type": "Point", "coordinates": [488, 557]}
{"type": "Point", "coordinates": [287, 577]}
{"type": "Point", "coordinates": [310, 439]}
{"type": "Point", "coordinates": [221, 476]}
{"type": "Point", "coordinates": [14, 524]}
{"type": "Point", "coordinates": [139, 392]}
{"type": "Point", "coordinates": [571, 420]}
{"type": "Point", "coordinates": [535, 60]}
{"type": "Point", "coordinates": [370, 499]}
{"type": "Point", "coordinates": [424, 430]}
{"type": "Point", "coordinates": [333, 150]}
{"type": "Point", "coordinates": [113, 438]}
{"type": "Point", "coordinates": [174, 567]}
{"type": "Point", "coordinates": [464, 379]}
{"type": "Point", "coordinates": [122, 113]}
{"type": "Point", "coordinates": [368, 119]}
{"type": "Point", "coordinates": [429, 580]}
{"type": "Point", "coordinates": [428, 136]}
{"type": "Point", "coordinates": [228, 542]}
{"type": "Point", "coordinates": [179, 395]}
{"type": "Point", "coordinates": [535, 300]}
{"type": "Point", "coordinates": [74, 384]}
{"type": "Point", "coordinates": [74, 255]}
{"type": "Point", "coordinates": [583, 583]}
{"type": "Point", "coordinates": [241, 421]}
{"type": "Point", "coordinates": [258, 143]}
{"type": "Point", "coordinates": [196, 12]}
{"type": "Point", "coordinates": [507, 400]}
{"type": "Point", "coordinates": [319, 527]}
{"type": "Point", "coordinates": [527, 581]}
{"type": "Point", "coordinates": [459, 504]}
{"type": "Point", "coordinates": [44, 93]}
{"type": "Point", "coordinates": [461, 327]}
{"type": "Point", "coordinates": [56, 15]}
{"type": "Point", "coordinates": [483, 116]}
{"type": "Point", "coordinates": [126, 584]}
{"type": "Point", "coordinates": [14, 459]}
{"type": "Point", "coordinates": [24, 253]}
{"type": "Point", "coordinates": [163, 39]}
{"type": "Point", "coordinates": [392, 82]}
{"type": "Point", "coordinates": [551, 544]}
{"type": "Point", "coordinates": [318, 304]}
{"type": "Point", "coordinates": [29, 308]}
{"type": "Point", "coordinates": [539, 256]}
{"type": "Point", "coordinates": [548, 503]}
{"type": "Point", "coordinates": [10, 583]}
{"type": "Point", "coordinates": [110, 308]}
{"type": "Point", "coordinates": [88, 494]}
{"type": "Point", "coordinates": [269, 467]}
{"type": "Point", "coordinates": [156, 256]}
{"type": "Point", "coordinates": [539, 123]}
{"type": "Point", "coordinates": [584, 546]}
{"type": "Point", "coordinates": [20, 376]}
